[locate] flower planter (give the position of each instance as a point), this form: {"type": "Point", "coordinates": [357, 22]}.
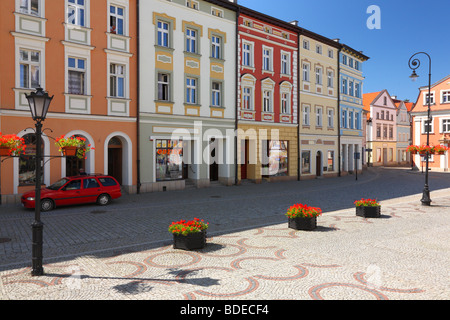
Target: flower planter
{"type": "Point", "coordinates": [368, 212]}
{"type": "Point", "coordinates": [69, 151]}
{"type": "Point", "coordinates": [190, 241]}
{"type": "Point", "coordinates": [4, 151]}
{"type": "Point", "coordinates": [301, 223]}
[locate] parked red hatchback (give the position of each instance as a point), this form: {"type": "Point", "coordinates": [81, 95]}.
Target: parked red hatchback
{"type": "Point", "coordinates": [98, 189]}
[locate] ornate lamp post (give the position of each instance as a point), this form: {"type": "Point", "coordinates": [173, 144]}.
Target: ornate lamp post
{"type": "Point", "coordinates": [39, 103]}
{"type": "Point", "coordinates": [413, 65]}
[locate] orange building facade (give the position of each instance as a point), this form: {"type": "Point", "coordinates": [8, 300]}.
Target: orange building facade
{"type": "Point", "coordinates": [439, 127]}
{"type": "Point", "coordinates": [89, 65]}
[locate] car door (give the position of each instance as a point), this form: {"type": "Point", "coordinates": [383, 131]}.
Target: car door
{"type": "Point", "coordinates": [91, 189]}
{"type": "Point", "coordinates": [70, 193]}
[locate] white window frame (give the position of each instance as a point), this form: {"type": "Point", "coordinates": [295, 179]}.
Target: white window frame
{"type": "Point", "coordinates": [285, 102]}
{"type": "Point", "coordinates": [330, 81]}
{"type": "Point", "coordinates": [192, 85]}
{"type": "Point", "coordinates": [425, 95]}
{"type": "Point", "coordinates": [330, 115]}
{"type": "Point", "coordinates": [216, 94]}
{"type": "Point", "coordinates": [445, 95]}
{"type": "Point", "coordinates": [77, 8]}
{"type": "Point", "coordinates": [191, 40]}
{"type": "Point", "coordinates": [114, 77]}
{"type": "Point", "coordinates": [216, 46]}
{"type": "Point", "coordinates": [25, 7]}
{"type": "Point", "coordinates": [285, 63]}
{"type": "Point", "coordinates": [445, 125]}
{"type": "Point", "coordinates": [267, 63]}
{"type": "Point", "coordinates": [319, 116]}
{"type": "Point", "coordinates": [306, 115]}
{"type": "Point", "coordinates": [306, 44]}
{"type": "Point", "coordinates": [267, 100]}
{"type": "Point", "coordinates": [248, 54]}
{"type": "Point", "coordinates": [306, 71]}
{"type": "Point", "coordinates": [319, 74]}
{"type": "Point", "coordinates": [318, 49]}
{"type": "Point", "coordinates": [163, 32]}
{"type": "Point", "coordinates": [117, 17]}
{"type": "Point", "coordinates": [30, 64]}
{"type": "Point", "coordinates": [424, 124]}
{"type": "Point", "coordinates": [164, 84]}
{"type": "Point", "coordinates": [247, 98]}
{"type": "Point", "coordinates": [82, 71]}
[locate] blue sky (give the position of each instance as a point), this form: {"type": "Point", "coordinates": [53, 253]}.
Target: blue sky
{"type": "Point", "coordinates": [407, 27]}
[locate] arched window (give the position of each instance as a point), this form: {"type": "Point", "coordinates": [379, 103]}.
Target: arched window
{"type": "Point", "coordinates": [27, 161]}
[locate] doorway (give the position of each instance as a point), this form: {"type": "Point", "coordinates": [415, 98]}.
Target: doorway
{"type": "Point", "coordinates": [244, 158]}
{"type": "Point", "coordinates": [115, 159]}
{"type": "Point", "coordinates": [213, 165]}
{"type": "Point", "coordinates": [319, 164]}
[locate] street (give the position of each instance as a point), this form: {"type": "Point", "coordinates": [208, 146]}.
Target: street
{"type": "Point", "coordinates": [129, 240]}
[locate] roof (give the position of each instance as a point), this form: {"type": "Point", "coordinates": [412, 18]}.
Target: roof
{"type": "Point", "coordinates": [368, 98]}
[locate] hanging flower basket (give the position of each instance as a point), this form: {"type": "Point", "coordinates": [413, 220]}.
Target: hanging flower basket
{"type": "Point", "coordinates": [412, 149]}
{"type": "Point", "coordinates": [368, 208]}
{"type": "Point", "coordinates": [424, 149]}
{"type": "Point", "coordinates": [11, 145]}
{"type": "Point", "coordinates": [440, 149]}
{"type": "Point", "coordinates": [73, 146]}
{"type": "Point", "coordinates": [189, 235]}
{"type": "Point", "coordinates": [303, 217]}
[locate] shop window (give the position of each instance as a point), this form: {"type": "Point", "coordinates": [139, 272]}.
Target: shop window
{"type": "Point", "coordinates": [169, 160]}
{"type": "Point", "coordinates": [275, 158]}
{"type": "Point", "coordinates": [306, 161]}
{"type": "Point", "coordinates": [27, 161]}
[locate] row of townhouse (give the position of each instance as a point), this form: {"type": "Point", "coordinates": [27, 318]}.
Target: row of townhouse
{"type": "Point", "coordinates": [171, 93]}
{"type": "Point", "coordinates": [388, 129]}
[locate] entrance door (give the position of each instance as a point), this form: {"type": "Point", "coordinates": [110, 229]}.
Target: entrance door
{"type": "Point", "coordinates": [213, 166]}
{"type": "Point", "coordinates": [318, 164]}
{"type": "Point", "coordinates": [385, 157]}
{"type": "Point", "coordinates": [244, 157]}
{"type": "Point", "coordinates": [115, 159]}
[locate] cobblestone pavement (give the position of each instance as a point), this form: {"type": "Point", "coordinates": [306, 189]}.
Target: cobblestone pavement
{"type": "Point", "coordinates": [124, 252]}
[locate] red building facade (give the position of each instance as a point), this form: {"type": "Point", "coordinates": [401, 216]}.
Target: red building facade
{"type": "Point", "coordinates": [267, 97]}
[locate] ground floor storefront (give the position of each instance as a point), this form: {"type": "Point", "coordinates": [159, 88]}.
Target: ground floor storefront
{"type": "Point", "coordinates": [267, 151]}
{"type": "Point", "coordinates": [177, 151]}
{"type": "Point", "coordinates": [383, 153]}
{"type": "Point", "coordinates": [352, 154]}
{"type": "Point", "coordinates": [112, 151]}
{"type": "Point", "coordinates": [318, 156]}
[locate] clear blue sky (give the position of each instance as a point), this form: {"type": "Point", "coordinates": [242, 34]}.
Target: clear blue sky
{"type": "Point", "coordinates": [407, 27]}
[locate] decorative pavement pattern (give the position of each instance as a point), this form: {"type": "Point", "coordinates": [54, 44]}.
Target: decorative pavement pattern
{"type": "Point", "coordinates": [402, 255]}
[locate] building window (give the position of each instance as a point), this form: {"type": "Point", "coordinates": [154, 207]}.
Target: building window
{"type": "Point", "coordinates": [431, 99]}
{"type": "Point", "coordinates": [267, 59]}
{"type": "Point", "coordinates": [319, 49]}
{"type": "Point", "coordinates": [384, 100]}
{"type": "Point", "coordinates": [344, 119]}
{"type": "Point", "coordinates": [306, 72]}
{"type": "Point", "coordinates": [330, 54]}
{"type": "Point", "coordinates": [306, 161]}
{"type": "Point", "coordinates": [169, 159]}
{"type": "Point", "coordinates": [306, 44]}
{"type": "Point", "coordinates": [285, 105]}
{"type": "Point", "coordinates": [163, 34]}
{"type": "Point", "coordinates": [77, 76]}
{"type": "Point", "coordinates": [330, 115]}
{"type": "Point", "coordinates": [191, 90]}
{"type": "Point", "coordinates": [318, 116]}
{"type": "Point", "coordinates": [330, 76]}
{"type": "Point", "coordinates": [357, 90]}
{"type": "Point", "coordinates": [350, 88]}
{"type": "Point", "coordinates": [285, 63]}
{"type": "Point", "coordinates": [117, 81]}
{"type": "Point", "coordinates": [247, 103]}
{"type": "Point", "coordinates": [344, 86]}
{"type": "Point", "coordinates": [163, 87]}
{"type": "Point", "coordinates": [29, 7]}
{"type": "Point", "coordinates": [247, 53]}
{"type": "Point", "coordinates": [267, 101]}
{"type": "Point", "coordinates": [382, 115]}
{"type": "Point", "coordinates": [357, 120]}
{"type": "Point", "coordinates": [330, 163]}
{"type": "Point", "coordinates": [116, 19]}
{"type": "Point", "coordinates": [446, 125]}
{"type": "Point", "coordinates": [192, 4]}
{"type": "Point", "coordinates": [216, 94]}
{"type": "Point", "coordinates": [350, 119]}
{"type": "Point", "coordinates": [391, 132]}
{"type": "Point", "coordinates": [445, 97]}
{"type": "Point", "coordinates": [30, 68]}
{"type": "Point", "coordinates": [379, 131]}
{"type": "Point", "coordinates": [427, 126]}
{"type": "Point", "coordinates": [357, 65]}
{"type": "Point", "coordinates": [27, 161]}
{"type": "Point", "coordinates": [306, 115]}
{"type": "Point", "coordinates": [217, 12]}
{"type": "Point", "coordinates": [350, 62]}
{"type": "Point", "coordinates": [76, 12]}
{"type": "Point", "coordinates": [344, 59]}
{"type": "Point", "coordinates": [275, 158]}
{"type": "Point", "coordinates": [216, 47]}
{"type": "Point", "coordinates": [191, 40]}
{"type": "Point", "coordinates": [385, 134]}
{"type": "Point", "coordinates": [319, 75]}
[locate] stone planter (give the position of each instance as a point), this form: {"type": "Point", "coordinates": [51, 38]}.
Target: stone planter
{"type": "Point", "coordinates": [368, 212]}
{"type": "Point", "coordinates": [191, 241]}
{"type": "Point", "coordinates": [301, 223]}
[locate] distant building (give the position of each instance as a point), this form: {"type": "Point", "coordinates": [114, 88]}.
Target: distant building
{"type": "Point", "coordinates": [439, 127]}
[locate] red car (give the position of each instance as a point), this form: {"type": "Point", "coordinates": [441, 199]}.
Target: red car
{"type": "Point", "coordinates": [75, 190]}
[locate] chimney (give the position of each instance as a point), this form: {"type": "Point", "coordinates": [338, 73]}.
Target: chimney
{"type": "Point", "coordinates": [394, 97]}
{"type": "Point", "coordinates": [294, 22]}
{"type": "Point", "coordinates": [337, 40]}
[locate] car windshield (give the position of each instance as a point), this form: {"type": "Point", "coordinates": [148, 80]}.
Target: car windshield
{"type": "Point", "coordinates": [58, 184]}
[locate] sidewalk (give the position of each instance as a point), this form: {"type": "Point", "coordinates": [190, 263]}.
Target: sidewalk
{"type": "Point", "coordinates": [401, 256]}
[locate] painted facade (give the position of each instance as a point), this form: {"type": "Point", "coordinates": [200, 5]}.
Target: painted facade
{"type": "Point", "coordinates": [351, 109]}
{"type": "Point", "coordinates": [440, 124]}
{"type": "Point", "coordinates": [267, 98]}
{"type": "Point", "coordinates": [318, 106]}
{"type": "Point", "coordinates": [187, 97]}
{"type": "Point", "coordinates": [404, 137]}
{"type": "Point", "coordinates": [381, 128]}
{"type": "Point", "coordinates": [89, 65]}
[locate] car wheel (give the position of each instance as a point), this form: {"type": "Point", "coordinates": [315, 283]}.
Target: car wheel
{"type": "Point", "coordinates": [47, 205]}
{"type": "Point", "coordinates": [103, 199]}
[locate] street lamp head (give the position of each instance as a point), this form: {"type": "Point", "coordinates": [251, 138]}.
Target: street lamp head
{"type": "Point", "coordinates": [414, 76]}
{"type": "Point", "coordinates": [39, 102]}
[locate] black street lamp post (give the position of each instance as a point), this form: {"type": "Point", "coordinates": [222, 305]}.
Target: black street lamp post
{"type": "Point", "coordinates": [39, 103]}
{"type": "Point", "coordinates": [413, 65]}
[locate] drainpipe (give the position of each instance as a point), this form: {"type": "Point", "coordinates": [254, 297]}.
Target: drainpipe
{"type": "Point", "coordinates": [338, 85]}
{"type": "Point", "coordinates": [238, 12]}
{"type": "Point", "coordinates": [138, 109]}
